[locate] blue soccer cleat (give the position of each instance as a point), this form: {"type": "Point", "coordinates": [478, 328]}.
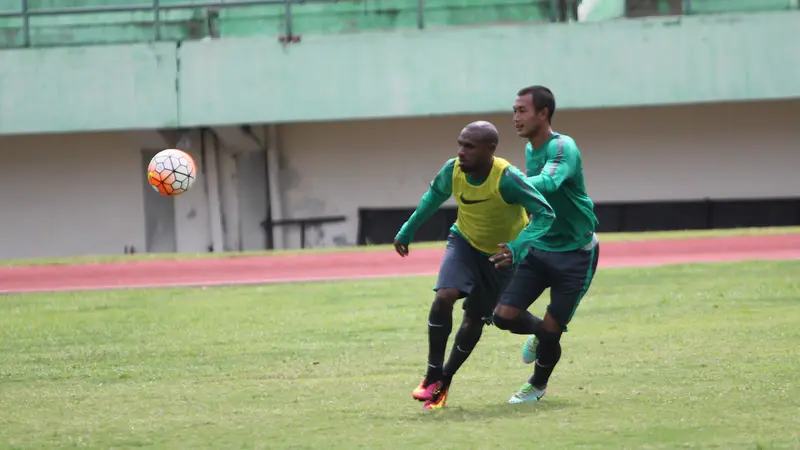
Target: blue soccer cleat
{"type": "Point", "coordinates": [529, 349]}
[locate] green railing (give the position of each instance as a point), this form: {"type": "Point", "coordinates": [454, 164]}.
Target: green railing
{"type": "Point", "coordinates": [638, 8]}
{"type": "Point", "coordinates": [152, 15]}
{"type": "Point", "coordinates": [27, 23]}
{"type": "Point", "coordinates": [156, 8]}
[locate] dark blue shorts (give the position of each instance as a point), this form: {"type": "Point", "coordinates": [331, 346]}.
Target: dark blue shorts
{"type": "Point", "coordinates": [567, 274]}
{"type": "Point", "coordinates": [467, 269]}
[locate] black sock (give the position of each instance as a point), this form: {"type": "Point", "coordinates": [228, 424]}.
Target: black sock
{"type": "Point", "coordinates": [467, 338]}
{"type": "Point", "coordinates": [541, 375]}
{"type": "Point", "coordinates": [433, 375]}
{"type": "Point", "coordinates": [439, 326]}
{"type": "Point", "coordinates": [548, 353]}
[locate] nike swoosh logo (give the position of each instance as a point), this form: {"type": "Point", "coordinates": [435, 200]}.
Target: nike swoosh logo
{"type": "Point", "coordinates": [471, 202]}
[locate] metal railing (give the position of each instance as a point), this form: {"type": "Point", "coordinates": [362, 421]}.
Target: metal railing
{"type": "Point", "coordinates": [560, 10]}
{"type": "Point", "coordinates": [156, 7]}
{"type": "Point", "coordinates": [692, 7]}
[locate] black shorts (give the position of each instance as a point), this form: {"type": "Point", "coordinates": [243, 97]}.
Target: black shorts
{"type": "Point", "coordinates": [467, 269]}
{"type": "Point", "coordinates": [567, 274]}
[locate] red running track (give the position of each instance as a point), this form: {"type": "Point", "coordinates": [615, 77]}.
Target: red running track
{"type": "Point", "coordinates": [368, 264]}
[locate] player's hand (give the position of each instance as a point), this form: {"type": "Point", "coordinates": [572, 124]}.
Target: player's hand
{"type": "Point", "coordinates": [504, 258]}
{"type": "Point", "coordinates": [400, 248]}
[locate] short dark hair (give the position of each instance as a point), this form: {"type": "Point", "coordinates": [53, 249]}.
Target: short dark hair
{"type": "Point", "coordinates": [541, 97]}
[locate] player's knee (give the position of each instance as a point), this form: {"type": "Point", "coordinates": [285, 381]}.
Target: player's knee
{"type": "Point", "coordinates": [446, 298]}
{"type": "Point", "coordinates": [506, 312]}
{"type": "Point", "coordinates": [551, 325]}
{"type": "Point", "coordinates": [505, 317]}
{"type": "Point", "coordinates": [549, 350]}
{"type": "Point", "coordinates": [503, 323]}
{"type": "Point", "coordinates": [448, 295]}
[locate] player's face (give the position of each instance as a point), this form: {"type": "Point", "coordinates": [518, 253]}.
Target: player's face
{"type": "Point", "coordinates": [471, 153]}
{"type": "Point", "coordinates": [526, 120]}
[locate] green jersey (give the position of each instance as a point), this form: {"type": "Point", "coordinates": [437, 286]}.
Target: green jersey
{"type": "Point", "coordinates": [494, 213]}
{"type": "Point", "coordinates": [556, 171]}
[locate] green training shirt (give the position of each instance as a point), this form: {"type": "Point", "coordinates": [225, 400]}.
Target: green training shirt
{"type": "Point", "coordinates": [556, 171]}
{"type": "Point", "coordinates": [512, 187]}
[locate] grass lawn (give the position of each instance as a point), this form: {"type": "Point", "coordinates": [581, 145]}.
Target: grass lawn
{"type": "Point", "coordinates": [605, 237]}
{"type": "Point", "coordinates": [698, 356]}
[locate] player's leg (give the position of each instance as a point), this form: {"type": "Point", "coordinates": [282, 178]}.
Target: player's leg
{"type": "Point", "coordinates": [478, 307]}
{"type": "Point", "coordinates": [467, 337]}
{"type": "Point", "coordinates": [573, 273]}
{"type": "Point", "coordinates": [529, 281]}
{"type": "Point", "coordinates": [455, 281]}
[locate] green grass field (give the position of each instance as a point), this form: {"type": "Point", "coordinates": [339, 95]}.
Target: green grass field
{"type": "Point", "coordinates": [695, 356]}
{"type": "Point", "coordinates": [605, 237]}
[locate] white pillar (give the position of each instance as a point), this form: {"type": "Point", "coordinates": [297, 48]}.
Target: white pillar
{"type": "Point", "coordinates": [275, 193]}
{"type": "Point", "coordinates": [214, 199]}
{"type": "Point", "coordinates": [230, 201]}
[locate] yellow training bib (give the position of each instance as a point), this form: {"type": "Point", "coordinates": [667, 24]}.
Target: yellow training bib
{"type": "Point", "coordinates": [484, 218]}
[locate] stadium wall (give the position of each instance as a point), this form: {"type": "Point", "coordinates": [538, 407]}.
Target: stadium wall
{"type": "Point", "coordinates": [631, 155]}
{"type": "Point", "coordinates": [84, 193]}
{"type": "Point", "coordinates": [356, 76]}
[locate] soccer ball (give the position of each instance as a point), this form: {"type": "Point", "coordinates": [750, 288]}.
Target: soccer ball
{"type": "Point", "coordinates": [171, 172]}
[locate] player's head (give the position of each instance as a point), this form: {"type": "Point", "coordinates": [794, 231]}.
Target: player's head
{"type": "Point", "coordinates": [477, 143]}
{"type": "Point", "coordinates": [533, 110]}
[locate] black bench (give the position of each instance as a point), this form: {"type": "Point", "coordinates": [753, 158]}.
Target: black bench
{"type": "Point", "coordinates": [303, 223]}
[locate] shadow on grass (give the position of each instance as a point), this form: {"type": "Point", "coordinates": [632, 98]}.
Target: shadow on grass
{"type": "Point", "coordinates": [490, 411]}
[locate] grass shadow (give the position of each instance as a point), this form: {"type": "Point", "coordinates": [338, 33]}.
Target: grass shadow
{"type": "Point", "coordinates": [488, 412]}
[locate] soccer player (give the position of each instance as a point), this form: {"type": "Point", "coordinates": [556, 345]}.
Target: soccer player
{"type": "Point", "coordinates": [564, 259]}
{"type": "Point", "coordinates": [493, 197]}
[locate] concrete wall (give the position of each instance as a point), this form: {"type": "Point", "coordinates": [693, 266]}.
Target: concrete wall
{"type": "Point", "coordinates": [355, 76]}
{"type": "Point", "coordinates": [83, 193]}
{"type": "Point", "coordinates": [64, 195]}
{"type": "Point", "coordinates": [745, 150]}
